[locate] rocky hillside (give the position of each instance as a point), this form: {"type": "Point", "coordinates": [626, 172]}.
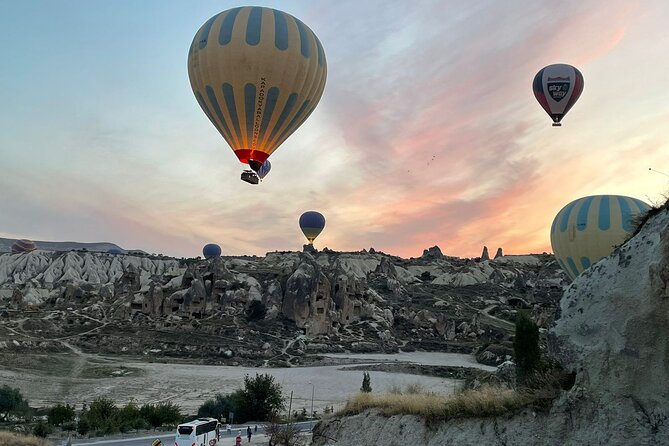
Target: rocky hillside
{"type": "Point", "coordinates": [6, 246]}
{"type": "Point", "coordinates": [279, 309]}
{"type": "Point", "coordinates": [611, 334]}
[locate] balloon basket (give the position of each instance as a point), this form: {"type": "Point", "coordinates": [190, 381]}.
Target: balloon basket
{"type": "Point", "coordinates": [557, 124]}
{"type": "Point", "coordinates": [250, 177]}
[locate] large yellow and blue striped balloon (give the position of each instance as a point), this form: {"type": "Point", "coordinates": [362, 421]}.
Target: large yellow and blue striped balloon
{"type": "Point", "coordinates": [257, 73]}
{"type": "Point", "coordinates": [588, 229]}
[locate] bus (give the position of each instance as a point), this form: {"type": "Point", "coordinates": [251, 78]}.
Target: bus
{"type": "Point", "coordinates": [200, 432]}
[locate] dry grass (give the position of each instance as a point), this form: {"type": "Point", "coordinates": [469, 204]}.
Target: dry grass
{"type": "Point", "coordinates": [486, 401]}
{"type": "Point", "coordinates": [12, 439]}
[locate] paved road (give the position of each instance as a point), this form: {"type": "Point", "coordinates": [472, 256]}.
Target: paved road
{"type": "Point", "coordinates": [168, 439]}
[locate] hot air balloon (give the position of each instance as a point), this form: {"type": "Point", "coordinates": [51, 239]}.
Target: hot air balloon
{"type": "Point", "coordinates": [557, 88]}
{"type": "Point", "coordinates": [211, 250]}
{"type": "Point", "coordinates": [21, 246]}
{"type": "Point", "coordinates": [264, 169]}
{"type": "Point", "coordinates": [588, 229]}
{"type": "Point", "coordinates": [312, 224]}
{"type": "Point", "coordinates": [257, 73]}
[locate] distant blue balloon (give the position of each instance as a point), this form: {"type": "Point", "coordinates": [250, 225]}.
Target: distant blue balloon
{"type": "Point", "coordinates": [211, 250]}
{"type": "Point", "coordinates": [264, 169]}
{"type": "Point", "coordinates": [311, 224]}
{"type": "Point", "coordinates": [115, 251]}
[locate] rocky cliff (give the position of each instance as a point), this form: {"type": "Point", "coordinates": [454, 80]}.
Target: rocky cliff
{"type": "Point", "coordinates": [611, 331]}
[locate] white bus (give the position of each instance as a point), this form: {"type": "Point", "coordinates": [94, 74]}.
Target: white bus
{"type": "Point", "coordinates": [200, 432]}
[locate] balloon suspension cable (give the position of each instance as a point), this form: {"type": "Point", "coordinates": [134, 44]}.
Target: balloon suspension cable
{"type": "Point", "coordinates": [657, 171]}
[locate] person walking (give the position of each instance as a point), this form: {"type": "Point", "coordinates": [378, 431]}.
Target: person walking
{"type": "Point", "coordinates": [249, 432]}
{"type": "Point", "coordinates": [238, 439]}
{"type": "Point", "coordinates": [229, 428]}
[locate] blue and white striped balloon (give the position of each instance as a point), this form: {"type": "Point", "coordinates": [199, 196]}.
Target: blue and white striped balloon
{"type": "Point", "coordinates": [588, 229]}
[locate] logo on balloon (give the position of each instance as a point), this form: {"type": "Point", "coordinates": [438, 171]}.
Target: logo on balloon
{"type": "Point", "coordinates": [558, 87]}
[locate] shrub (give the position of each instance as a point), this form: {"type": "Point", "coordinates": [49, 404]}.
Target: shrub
{"type": "Point", "coordinates": [366, 383]}
{"type": "Point", "coordinates": [42, 429]}
{"type": "Point", "coordinates": [13, 439]}
{"type": "Point", "coordinates": [60, 414]}
{"type": "Point", "coordinates": [526, 351]}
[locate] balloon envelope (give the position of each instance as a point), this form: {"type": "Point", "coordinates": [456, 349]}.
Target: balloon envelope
{"type": "Point", "coordinates": [21, 246]}
{"type": "Point", "coordinates": [257, 73]}
{"type": "Point", "coordinates": [211, 250]}
{"type": "Point", "coordinates": [312, 224]}
{"type": "Point", "coordinates": [588, 229]}
{"type": "Point", "coordinates": [264, 169]}
{"type": "Point", "coordinates": [557, 88]}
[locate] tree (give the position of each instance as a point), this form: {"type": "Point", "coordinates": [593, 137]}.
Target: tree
{"type": "Point", "coordinates": [169, 413]}
{"type": "Point", "coordinates": [219, 407]}
{"type": "Point", "coordinates": [162, 413]}
{"type": "Point", "coordinates": [60, 414]}
{"type": "Point", "coordinates": [366, 383]}
{"type": "Point", "coordinates": [526, 349]}
{"type": "Point", "coordinates": [11, 400]}
{"type": "Point", "coordinates": [260, 399]}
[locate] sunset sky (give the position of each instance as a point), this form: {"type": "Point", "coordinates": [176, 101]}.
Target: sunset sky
{"type": "Point", "coordinates": [427, 133]}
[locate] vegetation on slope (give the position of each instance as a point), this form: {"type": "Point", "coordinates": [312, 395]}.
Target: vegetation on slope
{"type": "Point", "coordinates": [12, 439]}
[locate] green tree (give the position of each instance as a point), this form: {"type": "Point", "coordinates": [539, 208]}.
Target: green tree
{"type": "Point", "coordinates": [260, 399]}
{"type": "Point", "coordinates": [101, 416]}
{"type": "Point", "coordinates": [366, 383]}
{"type": "Point", "coordinates": [219, 407]}
{"type": "Point", "coordinates": [11, 400]}
{"type": "Point", "coordinates": [60, 414]}
{"type": "Point", "coordinates": [526, 349]}
{"type": "Point", "coordinates": [130, 418]}
{"type": "Point", "coordinates": [162, 413]}
{"type": "Point", "coordinates": [169, 413]}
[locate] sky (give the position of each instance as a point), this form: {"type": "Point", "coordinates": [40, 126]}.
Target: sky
{"type": "Point", "coordinates": [427, 133]}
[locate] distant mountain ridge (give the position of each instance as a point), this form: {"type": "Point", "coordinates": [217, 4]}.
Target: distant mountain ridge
{"type": "Point", "coordinates": [6, 246]}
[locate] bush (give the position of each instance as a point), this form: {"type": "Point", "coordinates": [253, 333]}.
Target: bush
{"type": "Point", "coordinates": [366, 383]}
{"type": "Point", "coordinates": [42, 429]}
{"type": "Point", "coordinates": [60, 414]}
{"type": "Point", "coordinates": [526, 351]}
{"type": "Point", "coordinates": [13, 439]}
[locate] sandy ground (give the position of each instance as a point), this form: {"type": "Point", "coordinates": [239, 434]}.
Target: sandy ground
{"type": "Point", "coordinates": [68, 380]}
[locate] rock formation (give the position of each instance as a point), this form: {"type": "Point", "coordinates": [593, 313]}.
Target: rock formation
{"type": "Point", "coordinates": [499, 253]}
{"type": "Point", "coordinates": [484, 254]}
{"type": "Point", "coordinates": [611, 332]}
{"type": "Point", "coordinates": [355, 301]}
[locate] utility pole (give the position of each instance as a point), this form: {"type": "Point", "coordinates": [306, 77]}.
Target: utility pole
{"type": "Point", "coordinates": [290, 406]}
{"type": "Point", "coordinates": [313, 389]}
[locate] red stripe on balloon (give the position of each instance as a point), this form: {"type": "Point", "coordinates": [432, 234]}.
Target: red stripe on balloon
{"type": "Point", "coordinates": [245, 155]}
